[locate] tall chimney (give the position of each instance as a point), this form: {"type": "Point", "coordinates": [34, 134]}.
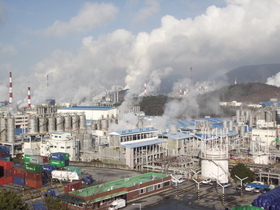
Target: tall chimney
{"type": "Point", "coordinates": [10, 90]}
{"type": "Point", "coordinates": [29, 98]}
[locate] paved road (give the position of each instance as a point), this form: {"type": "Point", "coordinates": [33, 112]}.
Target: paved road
{"type": "Point", "coordinates": [186, 198]}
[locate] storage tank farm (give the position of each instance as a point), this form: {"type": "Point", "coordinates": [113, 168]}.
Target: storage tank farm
{"type": "Point", "coordinates": [7, 129]}
{"type": "Point", "coordinates": [214, 155]}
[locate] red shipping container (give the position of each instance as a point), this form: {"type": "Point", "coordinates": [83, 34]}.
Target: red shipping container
{"type": "Point", "coordinates": [2, 154]}
{"type": "Point", "coordinates": [6, 164]}
{"type": "Point", "coordinates": [19, 172]}
{"type": "Point", "coordinates": [2, 180]}
{"type": "Point", "coordinates": [45, 159]}
{"type": "Point", "coordinates": [9, 179]}
{"type": "Point", "coordinates": [33, 183]}
{"type": "Point", "coordinates": [7, 172]}
{"type": "Point", "coordinates": [73, 185]}
{"type": "Point", "coordinates": [34, 176]}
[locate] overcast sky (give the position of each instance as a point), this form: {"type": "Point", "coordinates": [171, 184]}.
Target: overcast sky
{"type": "Point", "coordinates": [85, 47]}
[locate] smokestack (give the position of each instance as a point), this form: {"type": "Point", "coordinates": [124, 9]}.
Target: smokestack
{"type": "Point", "coordinates": [47, 80]}
{"type": "Point", "coordinates": [29, 98]}
{"type": "Point", "coordinates": [145, 89]}
{"type": "Point", "coordinates": [10, 90]}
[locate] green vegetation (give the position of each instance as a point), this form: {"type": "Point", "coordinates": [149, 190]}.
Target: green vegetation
{"type": "Point", "coordinates": [9, 200]}
{"type": "Point", "coordinates": [54, 203]}
{"type": "Point", "coordinates": [153, 105]}
{"type": "Point", "coordinates": [242, 171]}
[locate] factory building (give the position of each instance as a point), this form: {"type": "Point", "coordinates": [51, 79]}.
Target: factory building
{"type": "Point", "coordinates": [129, 189]}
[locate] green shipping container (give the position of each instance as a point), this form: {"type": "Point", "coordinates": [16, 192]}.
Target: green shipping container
{"type": "Point", "coordinates": [66, 155]}
{"type": "Point", "coordinates": [33, 168]}
{"type": "Point", "coordinates": [58, 163]}
{"type": "Point", "coordinates": [78, 170]}
{"type": "Point", "coordinates": [8, 158]}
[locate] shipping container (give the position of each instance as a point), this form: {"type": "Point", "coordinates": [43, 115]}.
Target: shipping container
{"type": "Point", "coordinates": [6, 164]}
{"type": "Point", "coordinates": [76, 185]}
{"type": "Point", "coordinates": [59, 156]}
{"type": "Point", "coordinates": [36, 160]}
{"type": "Point", "coordinates": [33, 168]}
{"type": "Point", "coordinates": [48, 168]}
{"type": "Point", "coordinates": [35, 176]}
{"type": "Point", "coordinates": [19, 180]}
{"type": "Point", "coordinates": [3, 159]}
{"type": "Point", "coordinates": [6, 180]}
{"type": "Point", "coordinates": [4, 148]}
{"type": "Point", "coordinates": [61, 168]}
{"type": "Point", "coordinates": [8, 158]}
{"type": "Point", "coordinates": [58, 163]}
{"type": "Point", "coordinates": [76, 169]}
{"type": "Point", "coordinates": [33, 183]}
{"type": "Point", "coordinates": [67, 162]}
{"type": "Point", "coordinates": [19, 172]}
{"type": "Point", "coordinates": [4, 154]}
{"type": "Point", "coordinates": [7, 172]}
{"type": "Point", "coordinates": [45, 159]}
{"type": "Point", "coordinates": [26, 159]}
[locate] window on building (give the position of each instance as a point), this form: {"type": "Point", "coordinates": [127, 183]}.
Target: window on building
{"type": "Point", "coordinates": [61, 147]}
{"type": "Point", "coordinates": [159, 186]}
{"type": "Point", "coordinates": [166, 184]}
{"type": "Point", "coordinates": [68, 147]}
{"type": "Point", "coordinates": [51, 146]}
{"type": "Point", "coordinates": [143, 190]}
{"type": "Point", "coordinates": [151, 188]}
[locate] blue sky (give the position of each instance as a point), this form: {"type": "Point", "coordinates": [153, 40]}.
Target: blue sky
{"type": "Point", "coordinates": [87, 46]}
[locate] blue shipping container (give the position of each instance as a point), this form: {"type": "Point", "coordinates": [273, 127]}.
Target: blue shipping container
{"type": "Point", "coordinates": [48, 168]}
{"type": "Point", "coordinates": [7, 154]}
{"type": "Point", "coordinates": [57, 156]}
{"type": "Point", "coordinates": [39, 206]}
{"type": "Point", "coordinates": [18, 180]}
{"type": "Point", "coordinates": [3, 159]}
{"type": "Point", "coordinates": [4, 149]}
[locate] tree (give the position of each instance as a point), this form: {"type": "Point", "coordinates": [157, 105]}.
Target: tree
{"type": "Point", "coordinates": [54, 203]}
{"type": "Point", "coordinates": [9, 200]}
{"type": "Point", "coordinates": [242, 171]}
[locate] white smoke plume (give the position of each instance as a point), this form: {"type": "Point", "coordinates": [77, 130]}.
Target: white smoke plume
{"type": "Point", "coordinates": [274, 80]}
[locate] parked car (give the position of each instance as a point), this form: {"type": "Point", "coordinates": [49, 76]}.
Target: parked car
{"type": "Point", "coordinates": [249, 188]}
{"type": "Point", "coordinates": [265, 190]}
{"type": "Point", "coordinates": [257, 189]}
{"type": "Point", "coordinates": [212, 183]}
{"type": "Point", "coordinates": [206, 181]}
{"type": "Point", "coordinates": [181, 180]}
{"type": "Point", "coordinates": [226, 184]}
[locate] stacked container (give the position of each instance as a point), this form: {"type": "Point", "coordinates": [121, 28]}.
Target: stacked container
{"type": "Point", "coordinates": [4, 153]}
{"type": "Point", "coordinates": [6, 172]}
{"type": "Point", "coordinates": [33, 175]}
{"type": "Point", "coordinates": [59, 159]}
{"type": "Point", "coordinates": [28, 153]}
{"type": "Point", "coordinates": [76, 185]}
{"type": "Point", "coordinates": [78, 170]}
{"type": "Point", "coordinates": [18, 175]}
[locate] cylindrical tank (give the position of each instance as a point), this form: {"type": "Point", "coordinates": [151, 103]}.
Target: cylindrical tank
{"type": "Point", "coordinates": [87, 142]}
{"type": "Point", "coordinates": [262, 115]}
{"type": "Point", "coordinates": [11, 130]}
{"type": "Point", "coordinates": [68, 122]}
{"type": "Point", "coordinates": [268, 116]}
{"type": "Point", "coordinates": [225, 124]}
{"type": "Point", "coordinates": [261, 159]}
{"type": "Point", "coordinates": [75, 122]}
{"type": "Point", "coordinates": [33, 125]}
{"type": "Point", "coordinates": [215, 166]}
{"type": "Point", "coordinates": [82, 121]}
{"type": "Point", "coordinates": [42, 124]}
{"type": "Point", "coordinates": [251, 121]}
{"type": "Point", "coordinates": [237, 116]}
{"type": "Point", "coordinates": [3, 128]}
{"type": "Point", "coordinates": [173, 128]}
{"type": "Point", "coordinates": [230, 125]}
{"type": "Point", "coordinates": [51, 124]}
{"type": "Point", "coordinates": [59, 123]}
{"type": "Point", "coordinates": [242, 131]}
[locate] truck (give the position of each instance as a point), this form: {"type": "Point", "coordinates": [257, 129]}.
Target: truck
{"type": "Point", "coordinates": [69, 176]}
{"type": "Point", "coordinates": [117, 204]}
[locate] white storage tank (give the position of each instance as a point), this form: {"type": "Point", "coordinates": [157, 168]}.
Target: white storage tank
{"type": "Point", "coordinates": [261, 159]}
{"type": "Point", "coordinates": [75, 122]}
{"type": "Point", "coordinates": [11, 130]}
{"type": "Point", "coordinates": [3, 128]}
{"type": "Point", "coordinates": [68, 122]}
{"type": "Point", "coordinates": [33, 124]}
{"type": "Point", "coordinates": [59, 123]}
{"type": "Point", "coordinates": [82, 121]}
{"type": "Point", "coordinates": [42, 124]}
{"type": "Point", "coordinates": [51, 124]}
{"type": "Point", "coordinates": [215, 164]}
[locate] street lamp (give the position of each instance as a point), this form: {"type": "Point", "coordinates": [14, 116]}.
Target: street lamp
{"type": "Point", "coordinates": [137, 204]}
{"type": "Point", "coordinates": [241, 192]}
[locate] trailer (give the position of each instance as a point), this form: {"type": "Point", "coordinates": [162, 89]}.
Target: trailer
{"type": "Point", "coordinates": [70, 176]}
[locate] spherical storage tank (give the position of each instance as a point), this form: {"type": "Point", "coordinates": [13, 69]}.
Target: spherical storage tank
{"type": "Point", "coordinates": [215, 165]}
{"type": "Point", "coordinates": [51, 124]}
{"type": "Point", "coordinates": [11, 130]}
{"type": "Point", "coordinates": [33, 124]}
{"type": "Point", "coordinates": [3, 129]}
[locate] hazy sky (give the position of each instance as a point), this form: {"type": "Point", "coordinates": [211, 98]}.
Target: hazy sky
{"type": "Point", "coordinates": [87, 46]}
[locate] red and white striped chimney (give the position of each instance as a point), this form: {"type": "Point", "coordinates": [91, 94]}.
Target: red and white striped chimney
{"type": "Point", "coordinates": [180, 90]}
{"type": "Point", "coordinates": [29, 98]}
{"type": "Point", "coordinates": [145, 89]}
{"type": "Point", "coordinates": [10, 89]}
